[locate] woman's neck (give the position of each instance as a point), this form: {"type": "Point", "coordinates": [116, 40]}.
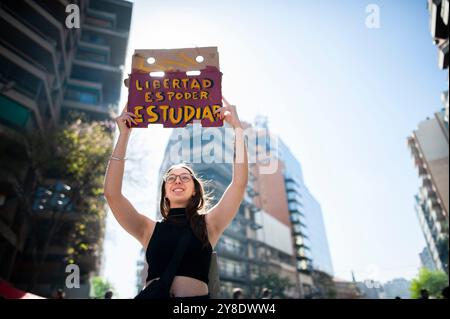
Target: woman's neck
{"type": "Point", "coordinates": [176, 211]}
{"type": "Point", "coordinates": [178, 206]}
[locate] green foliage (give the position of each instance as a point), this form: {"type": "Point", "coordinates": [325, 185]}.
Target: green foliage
{"type": "Point", "coordinates": [99, 287]}
{"type": "Point", "coordinates": [433, 281]}
{"type": "Point", "coordinates": [277, 285]}
{"type": "Point", "coordinates": [324, 287]}
{"type": "Point", "coordinates": [76, 153]}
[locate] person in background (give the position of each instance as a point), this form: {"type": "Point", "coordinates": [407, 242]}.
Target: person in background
{"type": "Point", "coordinates": [424, 294]}
{"type": "Point", "coordinates": [266, 294]}
{"type": "Point", "coordinates": [60, 294]}
{"type": "Point", "coordinates": [237, 293]}
{"type": "Point", "coordinates": [444, 293]}
{"type": "Point", "coordinates": [108, 294]}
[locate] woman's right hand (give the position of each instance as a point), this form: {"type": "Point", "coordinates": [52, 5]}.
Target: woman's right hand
{"type": "Point", "coordinates": [124, 121]}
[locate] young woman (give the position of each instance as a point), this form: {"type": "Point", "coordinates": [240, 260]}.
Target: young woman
{"type": "Point", "coordinates": [182, 204]}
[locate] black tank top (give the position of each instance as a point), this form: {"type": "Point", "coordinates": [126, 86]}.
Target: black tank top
{"type": "Point", "coordinates": [196, 260]}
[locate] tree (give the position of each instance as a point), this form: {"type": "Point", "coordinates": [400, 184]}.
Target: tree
{"type": "Point", "coordinates": [99, 287]}
{"type": "Point", "coordinates": [277, 285]}
{"type": "Point", "coordinates": [77, 154]}
{"type": "Point", "coordinates": [433, 281]}
{"type": "Point", "coordinates": [324, 287]}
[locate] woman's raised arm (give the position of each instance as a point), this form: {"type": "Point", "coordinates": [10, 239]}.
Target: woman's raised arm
{"type": "Point", "coordinates": [221, 215]}
{"type": "Point", "coordinates": [138, 225]}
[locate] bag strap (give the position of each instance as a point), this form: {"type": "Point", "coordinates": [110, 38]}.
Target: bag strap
{"type": "Point", "coordinates": [168, 275]}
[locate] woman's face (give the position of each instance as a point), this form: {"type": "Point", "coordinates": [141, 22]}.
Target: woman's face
{"type": "Point", "coordinates": [179, 187]}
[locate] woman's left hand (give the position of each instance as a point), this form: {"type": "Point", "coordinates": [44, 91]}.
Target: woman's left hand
{"type": "Point", "coordinates": [229, 114]}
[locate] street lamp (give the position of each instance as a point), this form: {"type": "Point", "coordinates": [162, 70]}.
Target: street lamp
{"type": "Point", "coordinates": [52, 198]}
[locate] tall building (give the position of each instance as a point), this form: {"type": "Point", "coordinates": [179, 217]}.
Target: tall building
{"type": "Point", "coordinates": [302, 201]}
{"type": "Point", "coordinates": [429, 148]}
{"type": "Point", "coordinates": [370, 289]}
{"type": "Point", "coordinates": [426, 260]}
{"type": "Point", "coordinates": [398, 287]}
{"type": "Point", "coordinates": [48, 70]}
{"type": "Point", "coordinates": [439, 11]}
{"type": "Point", "coordinates": [290, 197]}
{"type": "Point", "coordinates": [268, 194]}
{"type": "Point", "coordinates": [347, 289]}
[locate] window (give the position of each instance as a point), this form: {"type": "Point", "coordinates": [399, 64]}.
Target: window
{"type": "Point", "coordinates": [92, 55]}
{"type": "Point", "coordinates": [302, 265]}
{"type": "Point", "coordinates": [232, 268]}
{"type": "Point", "coordinates": [231, 245]}
{"type": "Point", "coordinates": [93, 38]}
{"type": "Point", "coordinates": [100, 19]}
{"type": "Point", "coordinates": [13, 113]}
{"type": "Point", "coordinates": [82, 94]}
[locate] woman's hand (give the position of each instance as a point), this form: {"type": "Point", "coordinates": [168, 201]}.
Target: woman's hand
{"type": "Point", "coordinates": [124, 121]}
{"type": "Point", "coordinates": [229, 114]}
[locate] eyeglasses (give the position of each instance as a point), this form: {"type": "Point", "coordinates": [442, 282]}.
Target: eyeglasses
{"type": "Point", "coordinates": [184, 178]}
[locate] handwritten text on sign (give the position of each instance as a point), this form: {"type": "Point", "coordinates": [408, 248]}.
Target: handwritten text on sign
{"type": "Point", "coordinates": [176, 99]}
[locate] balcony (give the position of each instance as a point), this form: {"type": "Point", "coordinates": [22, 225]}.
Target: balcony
{"type": "Point", "coordinates": [437, 26]}
{"type": "Point", "coordinates": [442, 229]}
{"type": "Point", "coordinates": [109, 76]}
{"type": "Point", "coordinates": [120, 9]}
{"type": "Point", "coordinates": [117, 47]}
{"type": "Point", "coordinates": [98, 111]}
{"type": "Point", "coordinates": [427, 193]}
{"type": "Point", "coordinates": [85, 96]}
{"type": "Point", "coordinates": [236, 233]}
{"type": "Point", "coordinates": [296, 218]}
{"type": "Point", "coordinates": [290, 181]}
{"type": "Point", "coordinates": [300, 229]}
{"type": "Point", "coordinates": [422, 171]}
{"type": "Point", "coordinates": [303, 252]}
{"type": "Point", "coordinates": [432, 204]}
{"type": "Point", "coordinates": [301, 241]}
{"type": "Point", "coordinates": [412, 143]}
{"type": "Point", "coordinates": [295, 207]}
{"type": "Point", "coordinates": [443, 55]}
{"type": "Point", "coordinates": [437, 215]}
{"type": "Point", "coordinates": [232, 275]}
{"type": "Point", "coordinates": [100, 18]}
{"type": "Point", "coordinates": [31, 80]}
{"type": "Point", "coordinates": [426, 182]}
{"type": "Point", "coordinates": [231, 252]}
{"type": "Point", "coordinates": [29, 39]}
{"type": "Point", "coordinates": [47, 24]}
{"type": "Point", "coordinates": [304, 266]}
{"type": "Point", "coordinates": [52, 29]}
{"type": "Point", "coordinates": [295, 197]}
{"type": "Point", "coordinates": [418, 161]}
{"type": "Point", "coordinates": [14, 113]}
{"type": "Point", "coordinates": [93, 53]}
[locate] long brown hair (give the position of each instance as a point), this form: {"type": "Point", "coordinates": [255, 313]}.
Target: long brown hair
{"type": "Point", "coordinates": [195, 209]}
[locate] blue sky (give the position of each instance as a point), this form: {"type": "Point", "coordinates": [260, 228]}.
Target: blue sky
{"type": "Point", "coordinates": [342, 96]}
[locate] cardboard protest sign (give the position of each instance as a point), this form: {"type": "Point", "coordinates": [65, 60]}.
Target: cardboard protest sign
{"type": "Point", "coordinates": [174, 87]}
